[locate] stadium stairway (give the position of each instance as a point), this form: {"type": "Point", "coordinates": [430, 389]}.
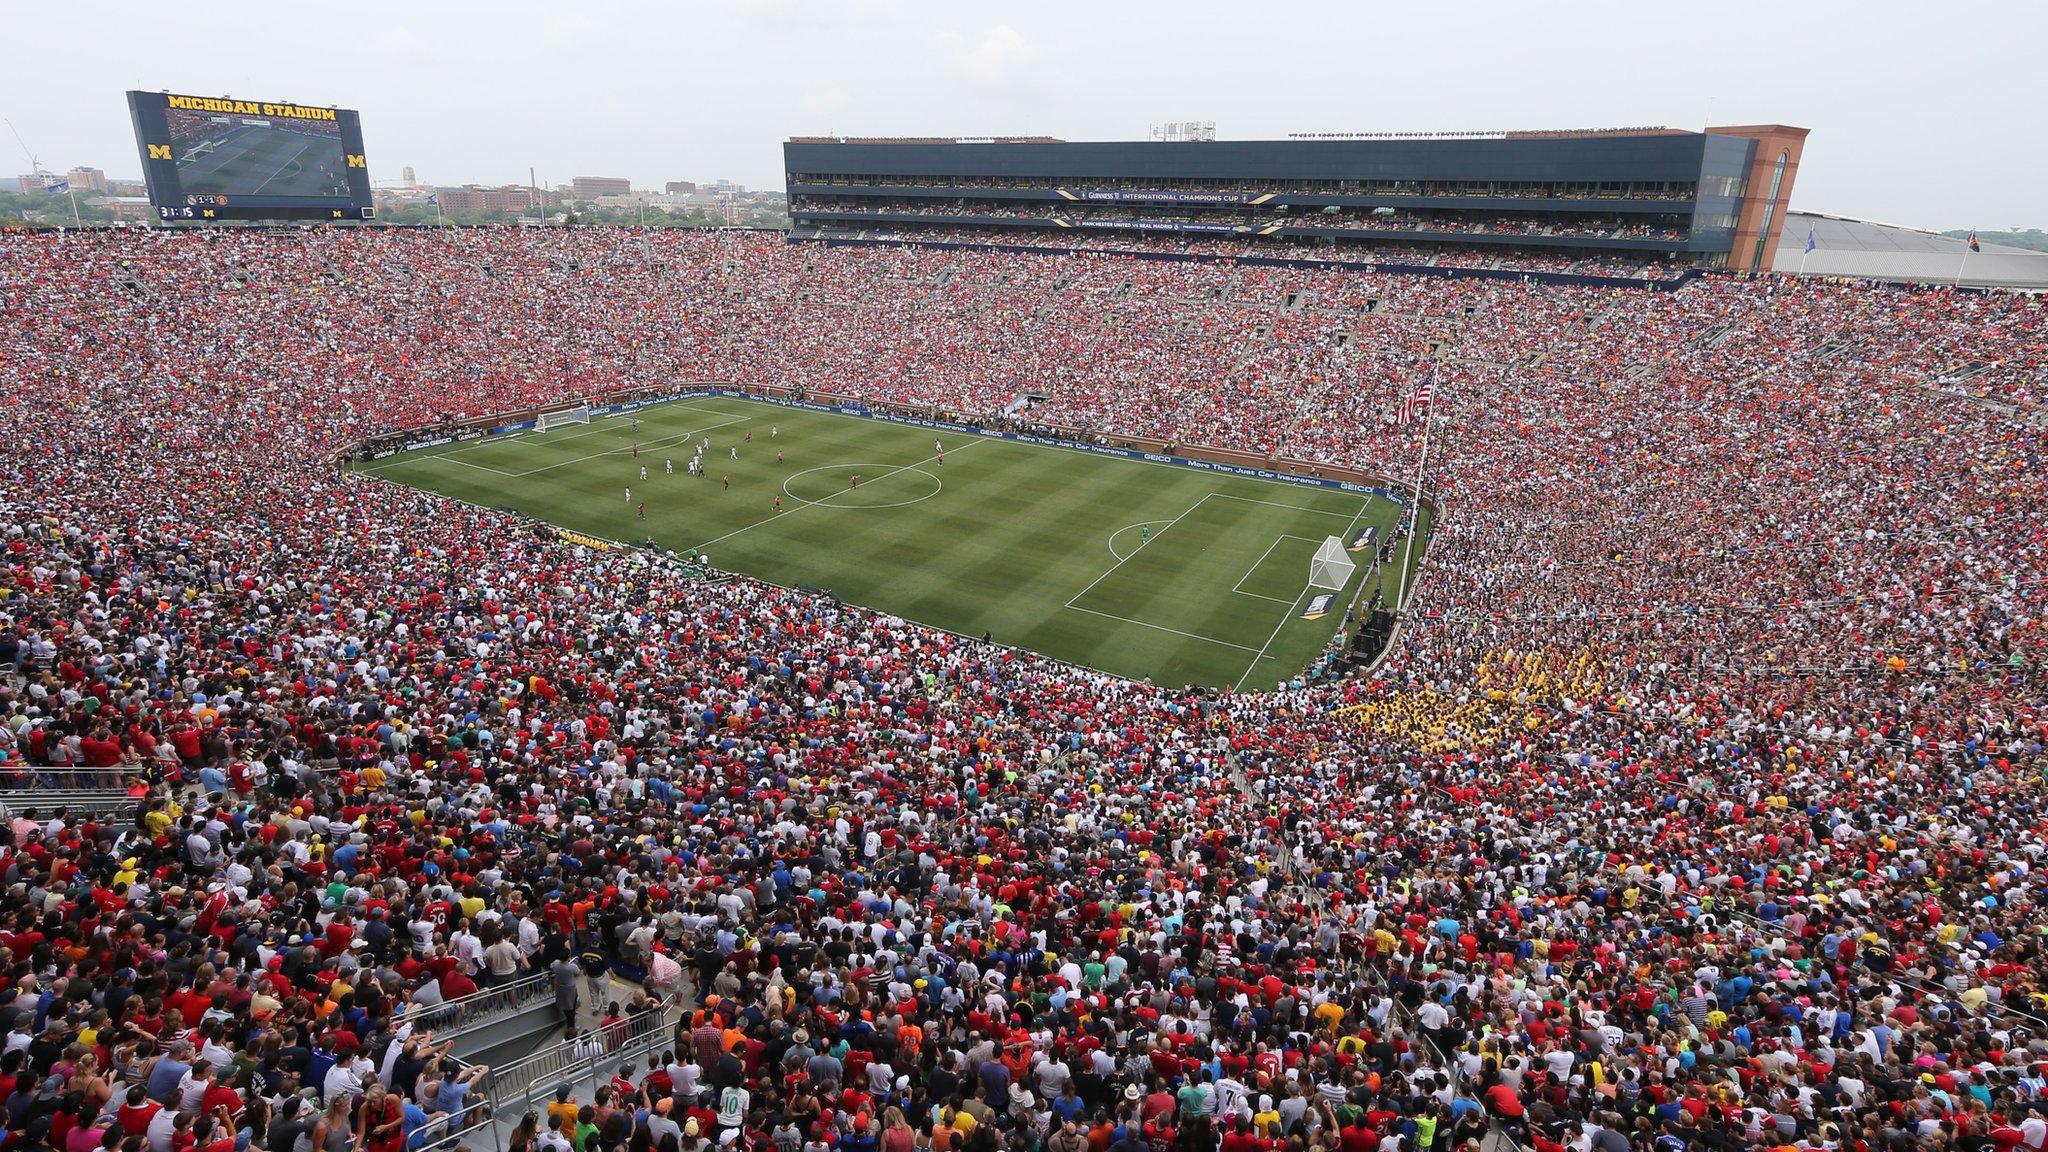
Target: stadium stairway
{"type": "Point", "coordinates": [495, 1025]}
{"type": "Point", "coordinates": [530, 1081]}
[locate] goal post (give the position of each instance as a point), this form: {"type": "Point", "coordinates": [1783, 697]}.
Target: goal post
{"type": "Point", "coordinates": [579, 414]}
{"type": "Point", "coordinates": [1331, 568]}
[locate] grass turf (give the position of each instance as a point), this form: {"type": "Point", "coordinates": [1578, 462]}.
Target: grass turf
{"type": "Point", "coordinates": [269, 161]}
{"type": "Point", "coordinates": [1136, 568]}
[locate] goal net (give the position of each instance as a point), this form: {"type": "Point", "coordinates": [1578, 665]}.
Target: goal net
{"type": "Point", "coordinates": [580, 414]}
{"type": "Point", "coordinates": [1332, 567]}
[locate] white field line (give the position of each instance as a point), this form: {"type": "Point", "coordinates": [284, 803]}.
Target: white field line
{"type": "Point", "coordinates": [1126, 528]}
{"type": "Point", "coordinates": [552, 438]}
{"type": "Point", "coordinates": [1273, 504]}
{"type": "Point", "coordinates": [1163, 628]}
{"type": "Point", "coordinates": [1291, 604]}
{"type": "Point", "coordinates": [664, 442]}
{"type": "Point", "coordinates": [453, 456]}
{"type": "Point", "coordinates": [1134, 552]}
{"type": "Point", "coordinates": [1239, 586]}
{"type": "Point", "coordinates": [283, 166]}
{"type": "Point", "coordinates": [699, 548]}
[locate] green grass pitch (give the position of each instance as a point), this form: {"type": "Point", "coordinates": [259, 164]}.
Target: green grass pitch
{"type": "Point", "coordinates": [1136, 568]}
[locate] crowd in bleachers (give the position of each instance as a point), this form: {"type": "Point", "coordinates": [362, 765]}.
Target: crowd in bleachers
{"type": "Point", "coordinates": [1357, 219]}
{"type": "Point", "coordinates": [1138, 188]}
{"type": "Point", "coordinates": [1699, 803]}
{"type": "Point", "coordinates": [1626, 265]}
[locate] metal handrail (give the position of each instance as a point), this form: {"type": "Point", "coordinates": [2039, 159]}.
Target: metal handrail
{"type": "Point", "coordinates": [456, 1139]}
{"type": "Point", "coordinates": [560, 1061]}
{"type": "Point", "coordinates": [487, 1004]}
{"type": "Point", "coordinates": [506, 1091]}
{"type": "Point", "coordinates": [97, 800]}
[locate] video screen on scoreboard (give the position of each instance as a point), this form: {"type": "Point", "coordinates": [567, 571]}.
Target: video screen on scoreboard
{"type": "Point", "coordinates": [219, 158]}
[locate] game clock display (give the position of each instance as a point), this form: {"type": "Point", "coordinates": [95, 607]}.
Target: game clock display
{"type": "Point", "coordinates": [208, 158]}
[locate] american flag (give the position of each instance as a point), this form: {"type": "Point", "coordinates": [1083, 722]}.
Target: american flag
{"type": "Point", "coordinates": [1414, 404]}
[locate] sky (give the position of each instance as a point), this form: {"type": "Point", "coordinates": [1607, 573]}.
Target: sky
{"type": "Point", "coordinates": [1921, 116]}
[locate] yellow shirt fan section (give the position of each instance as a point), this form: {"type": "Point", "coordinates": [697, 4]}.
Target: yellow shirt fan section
{"type": "Point", "coordinates": [1511, 692]}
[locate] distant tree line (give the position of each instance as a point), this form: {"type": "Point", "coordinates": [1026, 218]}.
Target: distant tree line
{"type": "Point", "coordinates": [2030, 238]}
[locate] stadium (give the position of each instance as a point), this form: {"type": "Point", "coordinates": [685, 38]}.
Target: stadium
{"type": "Point", "coordinates": [1493, 666]}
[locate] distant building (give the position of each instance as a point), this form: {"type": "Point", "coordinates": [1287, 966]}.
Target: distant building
{"type": "Point", "coordinates": [680, 187]}
{"type": "Point", "coordinates": [1712, 199]}
{"type": "Point", "coordinates": [409, 181]}
{"type": "Point", "coordinates": [506, 198]}
{"type": "Point", "coordinates": [88, 179]}
{"type": "Point", "coordinates": [127, 188]}
{"type": "Point", "coordinates": [591, 187]}
{"type": "Point", "coordinates": [130, 208]}
{"type": "Point", "coordinates": [37, 181]}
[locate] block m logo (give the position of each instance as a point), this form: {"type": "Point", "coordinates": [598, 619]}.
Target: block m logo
{"type": "Point", "coordinates": [159, 151]}
{"type": "Point", "coordinates": [355, 160]}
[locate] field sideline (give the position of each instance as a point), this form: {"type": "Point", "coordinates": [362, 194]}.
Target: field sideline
{"type": "Point", "coordinates": [1132, 567]}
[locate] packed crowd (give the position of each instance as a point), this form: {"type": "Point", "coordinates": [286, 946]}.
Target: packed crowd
{"type": "Point", "coordinates": [1624, 265]}
{"type": "Point", "coordinates": [1137, 188]}
{"type": "Point", "coordinates": [1698, 803]}
{"type": "Point", "coordinates": [1356, 219]}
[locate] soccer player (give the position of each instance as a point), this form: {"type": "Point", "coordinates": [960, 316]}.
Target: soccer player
{"type": "Point", "coordinates": [750, 435]}
{"type": "Point", "coordinates": [778, 503]}
{"type": "Point", "coordinates": [629, 495]}
{"type": "Point", "coordinates": [772, 430]}
{"type": "Point", "coordinates": [778, 455]}
{"type": "Point", "coordinates": [643, 471]}
{"type": "Point", "coordinates": [728, 481]}
{"type": "Point", "coordinates": [855, 482]}
{"type": "Point", "coordinates": [668, 465]}
{"type": "Point", "coordinates": [636, 449]}
{"type": "Point", "coordinates": [643, 509]}
{"type": "Point", "coordinates": [735, 450]}
{"type": "Point", "coordinates": [1144, 533]}
{"type": "Point", "coordinates": [939, 450]}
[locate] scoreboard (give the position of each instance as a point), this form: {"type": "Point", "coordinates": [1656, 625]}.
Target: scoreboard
{"type": "Point", "coordinates": [219, 158]}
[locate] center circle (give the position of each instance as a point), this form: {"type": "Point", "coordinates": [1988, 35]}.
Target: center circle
{"type": "Point", "coordinates": [881, 486]}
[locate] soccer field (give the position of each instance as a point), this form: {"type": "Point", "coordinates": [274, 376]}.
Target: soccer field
{"type": "Point", "coordinates": [254, 160]}
{"type": "Point", "coordinates": [1137, 568]}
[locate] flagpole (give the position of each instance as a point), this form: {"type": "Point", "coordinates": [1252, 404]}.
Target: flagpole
{"type": "Point", "coordinates": [1963, 263]}
{"type": "Point", "coordinates": [71, 194]}
{"type": "Point", "coordinates": [1415, 509]}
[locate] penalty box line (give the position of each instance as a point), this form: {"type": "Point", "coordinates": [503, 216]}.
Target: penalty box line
{"type": "Point", "coordinates": [1289, 615]}
{"type": "Point", "coordinates": [1072, 606]}
{"type": "Point", "coordinates": [593, 429]}
{"type": "Point", "coordinates": [664, 442]}
{"type": "Point", "coordinates": [1239, 586]}
{"type": "Point", "coordinates": [455, 456]}
{"type": "Point", "coordinates": [1140, 548]}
